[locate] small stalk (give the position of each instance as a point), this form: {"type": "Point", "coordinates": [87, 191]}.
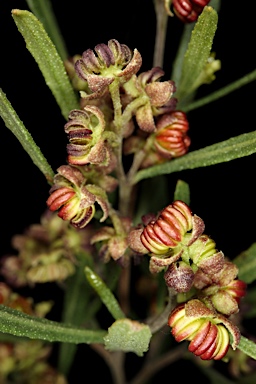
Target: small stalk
{"type": "Point", "coordinates": [161, 28]}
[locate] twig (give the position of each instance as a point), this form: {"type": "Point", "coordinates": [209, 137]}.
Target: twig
{"type": "Point", "coordinates": [115, 362]}
{"type": "Point", "coordinates": [161, 28]}
{"type": "Point", "coordinates": [154, 366]}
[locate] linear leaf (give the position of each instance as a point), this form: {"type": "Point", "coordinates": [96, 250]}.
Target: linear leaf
{"type": "Point", "coordinates": [198, 52]}
{"type": "Point", "coordinates": [42, 9]}
{"type": "Point", "coordinates": [246, 262]}
{"type": "Point", "coordinates": [75, 309]}
{"type": "Point", "coordinates": [105, 294]}
{"type": "Point", "coordinates": [50, 63]}
{"type": "Point", "coordinates": [248, 347]}
{"type": "Point", "coordinates": [182, 192]}
{"type": "Point", "coordinates": [15, 125]}
{"type": "Point", "coordinates": [20, 324]}
{"type": "Point", "coordinates": [224, 151]}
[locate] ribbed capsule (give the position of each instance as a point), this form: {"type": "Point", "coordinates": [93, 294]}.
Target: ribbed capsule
{"type": "Point", "coordinates": [171, 139]}
{"type": "Point", "coordinates": [73, 199]}
{"type": "Point", "coordinates": [85, 133]}
{"type": "Point", "coordinates": [168, 230]}
{"type": "Point", "coordinates": [207, 331]}
{"type": "Point", "coordinates": [107, 63]}
{"type": "Point", "coordinates": [188, 10]}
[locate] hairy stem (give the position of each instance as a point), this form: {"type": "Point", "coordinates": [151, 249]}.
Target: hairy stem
{"type": "Point", "coordinates": [161, 28]}
{"type": "Point", "coordinates": [115, 362]}
{"type": "Point", "coordinates": [159, 321]}
{"type": "Point", "coordinates": [221, 92]}
{"type": "Point", "coordinates": [153, 366]}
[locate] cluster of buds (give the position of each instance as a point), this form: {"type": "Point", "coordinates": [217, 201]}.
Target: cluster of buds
{"type": "Point", "coordinates": [193, 266]}
{"type": "Point", "coordinates": [14, 300]}
{"type": "Point", "coordinates": [45, 252]}
{"type": "Point", "coordinates": [114, 240]}
{"type": "Point", "coordinates": [26, 360]}
{"type": "Point", "coordinates": [116, 103]}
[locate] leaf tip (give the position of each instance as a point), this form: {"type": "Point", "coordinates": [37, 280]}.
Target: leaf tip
{"type": "Point", "coordinates": [15, 11]}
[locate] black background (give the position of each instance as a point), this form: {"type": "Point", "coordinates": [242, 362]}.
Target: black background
{"type": "Point", "coordinates": [223, 195]}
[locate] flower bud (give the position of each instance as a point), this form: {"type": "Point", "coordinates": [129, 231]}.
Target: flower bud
{"type": "Point", "coordinates": [73, 199]}
{"type": "Point", "coordinates": [107, 63]}
{"type": "Point", "coordinates": [85, 133]}
{"type": "Point", "coordinates": [158, 98]}
{"type": "Point", "coordinates": [179, 276]}
{"type": "Point", "coordinates": [224, 290]}
{"type": "Point", "coordinates": [208, 332]}
{"type": "Point", "coordinates": [168, 230]}
{"type": "Point", "coordinates": [114, 240]}
{"type": "Point", "coordinates": [171, 138]}
{"type": "Point", "coordinates": [205, 256]}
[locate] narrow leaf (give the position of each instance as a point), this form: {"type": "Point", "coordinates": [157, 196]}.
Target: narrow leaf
{"type": "Point", "coordinates": [15, 125]}
{"type": "Point", "coordinates": [20, 324]}
{"type": "Point", "coordinates": [42, 9]}
{"type": "Point", "coordinates": [224, 151]}
{"type": "Point", "coordinates": [105, 294]}
{"type": "Point", "coordinates": [75, 311]}
{"type": "Point", "coordinates": [198, 51]}
{"type": "Point", "coordinates": [45, 54]}
{"type": "Point", "coordinates": [246, 262]}
{"type": "Point", "coordinates": [182, 192]}
{"type": "Point", "coordinates": [179, 59]}
{"type": "Point", "coordinates": [248, 78]}
{"type": "Point", "coordinates": [248, 347]}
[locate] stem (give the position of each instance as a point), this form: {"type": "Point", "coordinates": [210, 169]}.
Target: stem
{"type": "Point", "coordinates": [133, 106]}
{"type": "Point", "coordinates": [115, 362]}
{"type": "Point", "coordinates": [115, 96]}
{"type": "Point", "coordinates": [156, 365]}
{"type": "Point", "coordinates": [222, 92]}
{"type": "Point", "coordinates": [160, 320]}
{"type": "Point", "coordinates": [161, 28]}
{"type": "Point", "coordinates": [138, 158]}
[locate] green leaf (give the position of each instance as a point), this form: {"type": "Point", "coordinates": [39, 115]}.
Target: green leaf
{"type": "Point", "coordinates": [20, 324]}
{"type": "Point", "coordinates": [155, 201]}
{"type": "Point", "coordinates": [179, 59]}
{"type": "Point", "coordinates": [42, 9]}
{"type": "Point", "coordinates": [105, 294]}
{"type": "Point", "coordinates": [15, 125]}
{"type": "Point", "coordinates": [249, 303]}
{"type": "Point", "coordinates": [246, 262]}
{"type": "Point", "coordinates": [248, 347]}
{"type": "Point", "coordinates": [75, 309]}
{"type": "Point", "coordinates": [45, 54]}
{"type": "Point", "coordinates": [231, 149]}
{"type": "Point", "coordinates": [128, 336]}
{"type": "Point", "coordinates": [251, 76]}
{"type": "Point", "coordinates": [182, 192]}
{"type": "Point", "coordinates": [198, 52]}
